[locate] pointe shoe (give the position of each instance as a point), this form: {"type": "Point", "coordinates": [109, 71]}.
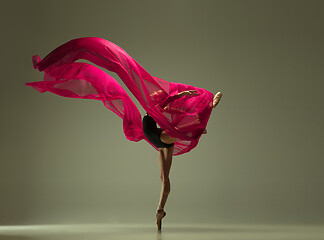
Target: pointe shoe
{"type": "Point", "coordinates": [159, 215]}
{"type": "Point", "coordinates": [217, 98]}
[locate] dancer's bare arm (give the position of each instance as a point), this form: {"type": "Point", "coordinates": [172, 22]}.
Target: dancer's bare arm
{"type": "Point", "coordinates": [179, 95]}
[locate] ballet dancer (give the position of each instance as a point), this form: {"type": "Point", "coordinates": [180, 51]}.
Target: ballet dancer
{"type": "Point", "coordinates": [181, 110]}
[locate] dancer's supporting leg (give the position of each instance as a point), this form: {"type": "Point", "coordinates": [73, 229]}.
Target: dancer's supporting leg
{"type": "Point", "coordinates": [165, 161]}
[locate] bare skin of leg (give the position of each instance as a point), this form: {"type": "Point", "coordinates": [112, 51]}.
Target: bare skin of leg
{"type": "Point", "coordinates": [167, 139]}
{"type": "Point", "coordinates": [165, 161]}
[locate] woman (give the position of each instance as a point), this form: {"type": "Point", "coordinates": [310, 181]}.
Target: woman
{"type": "Point", "coordinates": [165, 143]}
{"type": "Point", "coordinates": [181, 110]}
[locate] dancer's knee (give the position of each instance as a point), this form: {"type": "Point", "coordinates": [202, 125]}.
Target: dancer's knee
{"type": "Point", "coordinates": [166, 185]}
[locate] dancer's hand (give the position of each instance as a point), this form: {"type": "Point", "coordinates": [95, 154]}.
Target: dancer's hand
{"type": "Point", "coordinates": [188, 93]}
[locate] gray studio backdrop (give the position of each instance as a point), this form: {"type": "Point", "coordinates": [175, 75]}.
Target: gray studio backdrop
{"type": "Point", "coordinates": [67, 160]}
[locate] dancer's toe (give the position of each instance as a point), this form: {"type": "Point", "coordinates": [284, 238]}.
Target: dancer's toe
{"type": "Point", "coordinates": [217, 98]}
{"type": "Point", "coordinates": [159, 215]}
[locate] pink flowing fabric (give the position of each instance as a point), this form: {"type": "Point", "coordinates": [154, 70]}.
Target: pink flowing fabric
{"type": "Point", "coordinates": [184, 117]}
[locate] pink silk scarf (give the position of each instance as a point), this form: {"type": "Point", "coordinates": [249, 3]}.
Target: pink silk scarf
{"type": "Point", "coordinates": [183, 117]}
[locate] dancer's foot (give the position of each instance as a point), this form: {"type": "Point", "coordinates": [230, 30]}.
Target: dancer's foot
{"type": "Point", "coordinates": [159, 215]}
{"type": "Point", "coordinates": [217, 98]}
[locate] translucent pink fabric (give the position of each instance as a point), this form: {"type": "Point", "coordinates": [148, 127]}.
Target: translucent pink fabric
{"type": "Point", "coordinates": [181, 117]}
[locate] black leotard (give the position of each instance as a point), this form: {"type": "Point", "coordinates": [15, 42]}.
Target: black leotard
{"type": "Point", "coordinates": [153, 133]}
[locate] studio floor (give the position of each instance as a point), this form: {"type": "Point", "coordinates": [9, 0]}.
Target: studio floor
{"type": "Point", "coordinates": [169, 232]}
